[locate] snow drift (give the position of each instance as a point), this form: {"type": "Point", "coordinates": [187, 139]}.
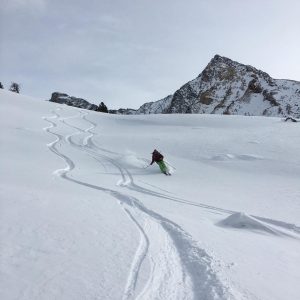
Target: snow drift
{"type": "Point", "coordinates": [243, 221]}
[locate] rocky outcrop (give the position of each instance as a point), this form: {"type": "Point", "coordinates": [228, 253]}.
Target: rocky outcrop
{"type": "Point", "coordinates": [123, 111]}
{"type": "Point", "coordinates": [72, 101]}
{"type": "Point", "coordinates": [228, 87]}
{"type": "Point", "coordinates": [82, 103]}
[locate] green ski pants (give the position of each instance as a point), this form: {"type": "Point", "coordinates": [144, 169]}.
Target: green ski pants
{"type": "Point", "coordinates": [162, 166]}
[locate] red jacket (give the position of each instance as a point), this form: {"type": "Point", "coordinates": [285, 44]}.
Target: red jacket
{"type": "Point", "coordinates": [156, 156]}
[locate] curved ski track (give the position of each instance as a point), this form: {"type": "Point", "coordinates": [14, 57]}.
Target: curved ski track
{"type": "Point", "coordinates": [179, 269]}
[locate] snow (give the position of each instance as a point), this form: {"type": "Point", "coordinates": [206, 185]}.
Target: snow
{"type": "Point", "coordinates": [83, 216]}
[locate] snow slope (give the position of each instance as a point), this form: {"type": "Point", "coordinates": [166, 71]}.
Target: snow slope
{"type": "Point", "coordinates": [83, 218]}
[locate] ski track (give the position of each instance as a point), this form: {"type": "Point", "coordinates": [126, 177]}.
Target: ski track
{"type": "Point", "coordinates": [127, 180]}
{"type": "Point", "coordinates": [179, 269]}
{"type": "Point", "coordinates": [140, 255]}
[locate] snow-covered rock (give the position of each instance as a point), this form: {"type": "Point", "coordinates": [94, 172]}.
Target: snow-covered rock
{"type": "Point", "coordinates": [290, 119]}
{"type": "Point", "coordinates": [155, 107]}
{"type": "Point", "coordinates": [228, 87]}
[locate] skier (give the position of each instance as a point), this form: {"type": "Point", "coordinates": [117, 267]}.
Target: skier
{"type": "Point", "coordinates": [159, 159]}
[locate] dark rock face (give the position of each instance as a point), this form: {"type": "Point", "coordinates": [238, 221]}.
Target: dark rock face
{"type": "Point", "coordinates": [72, 101]}
{"type": "Point", "coordinates": [228, 87]}
{"type": "Point", "coordinates": [254, 86]}
{"type": "Point", "coordinates": [123, 111]}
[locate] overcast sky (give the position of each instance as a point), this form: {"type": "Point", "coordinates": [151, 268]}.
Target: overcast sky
{"type": "Point", "coordinates": [128, 52]}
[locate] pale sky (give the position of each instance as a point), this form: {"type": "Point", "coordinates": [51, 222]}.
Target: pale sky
{"type": "Point", "coordinates": [128, 52]}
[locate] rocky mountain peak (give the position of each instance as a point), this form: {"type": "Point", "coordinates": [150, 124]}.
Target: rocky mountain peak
{"type": "Point", "coordinates": [221, 60]}
{"type": "Point", "coordinates": [223, 68]}
{"type": "Point", "coordinates": [229, 87]}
